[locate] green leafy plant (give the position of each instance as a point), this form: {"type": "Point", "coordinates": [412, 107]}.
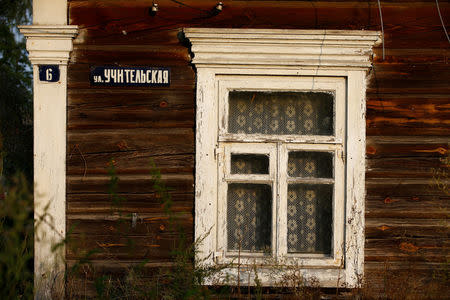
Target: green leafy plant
{"type": "Point", "coordinates": [16, 240]}
{"type": "Point", "coordinates": [16, 109]}
{"type": "Point", "coordinates": [183, 278]}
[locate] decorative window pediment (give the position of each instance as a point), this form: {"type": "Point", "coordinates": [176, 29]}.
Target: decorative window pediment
{"type": "Point", "coordinates": [282, 47]}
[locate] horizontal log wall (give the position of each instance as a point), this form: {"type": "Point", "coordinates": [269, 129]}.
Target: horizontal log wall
{"type": "Point", "coordinates": [408, 126]}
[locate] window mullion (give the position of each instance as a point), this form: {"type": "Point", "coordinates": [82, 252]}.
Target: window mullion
{"type": "Point", "coordinates": [277, 206]}
{"type": "Point", "coordinates": [281, 201]}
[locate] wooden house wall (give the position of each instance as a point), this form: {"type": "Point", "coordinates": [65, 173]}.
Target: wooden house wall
{"type": "Point", "coordinates": [408, 126]}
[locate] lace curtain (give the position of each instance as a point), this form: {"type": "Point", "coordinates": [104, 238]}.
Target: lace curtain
{"type": "Point", "coordinates": [309, 206]}
{"type": "Point", "coordinates": [299, 113]}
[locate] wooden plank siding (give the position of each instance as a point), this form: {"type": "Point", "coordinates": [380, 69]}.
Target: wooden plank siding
{"type": "Point", "coordinates": [408, 125]}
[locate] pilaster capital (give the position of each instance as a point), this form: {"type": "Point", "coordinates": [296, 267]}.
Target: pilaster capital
{"type": "Point", "coordinates": [49, 44]}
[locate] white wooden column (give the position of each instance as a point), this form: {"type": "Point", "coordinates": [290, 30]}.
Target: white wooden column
{"type": "Point", "coordinates": [49, 42]}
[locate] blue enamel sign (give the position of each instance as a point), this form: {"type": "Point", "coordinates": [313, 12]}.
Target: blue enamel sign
{"type": "Point", "coordinates": [49, 73]}
{"type": "Point", "coordinates": [130, 76]}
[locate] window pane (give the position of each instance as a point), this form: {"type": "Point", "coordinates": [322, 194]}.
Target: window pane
{"type": "Point", "coordinates": [298, 113]}
{"type": "Point", "coordinates": [249, 164]}
{"type": "Point", "coordinates": [310, 164]}
{"type": "Point", "coordinates": [249, 217]}
{"type": "Point", "coordinates": [309, 218]}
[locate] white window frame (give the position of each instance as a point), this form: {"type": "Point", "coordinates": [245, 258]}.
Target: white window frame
{"type": "Point", "coordinates": [281, 60]}
{"type": "Point", "coordinates": [277, 146]}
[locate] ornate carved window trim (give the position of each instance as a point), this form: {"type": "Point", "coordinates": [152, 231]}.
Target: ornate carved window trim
{"type": "Point", "coordinates": [281, 60]}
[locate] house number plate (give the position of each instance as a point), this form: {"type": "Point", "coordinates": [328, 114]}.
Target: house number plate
{"type": "Point", "coordinates": [49, 73]}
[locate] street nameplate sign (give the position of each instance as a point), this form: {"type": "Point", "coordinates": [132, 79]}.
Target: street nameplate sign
{"type": "Point", "coordinates": [130, 76]}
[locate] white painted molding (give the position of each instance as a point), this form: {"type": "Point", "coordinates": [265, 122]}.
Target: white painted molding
{"type": "Point", "coordinates": [240, 54]}
{"type": "Point", "coordinates": [49, 45]}
{"type": "Point", "coordinates": [282, 47]}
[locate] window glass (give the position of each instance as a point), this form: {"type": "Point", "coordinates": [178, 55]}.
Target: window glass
{"type": "Point", "coordinates": [249, 214]}
{"type": "Point", "coordinates": [309, 218]}
{"type": "Point", "coordinates": [291, 113]}
{"type": "Point", "coordinates": [310, 164]}
{"type": "Point", "coordinates": [249, 164]}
